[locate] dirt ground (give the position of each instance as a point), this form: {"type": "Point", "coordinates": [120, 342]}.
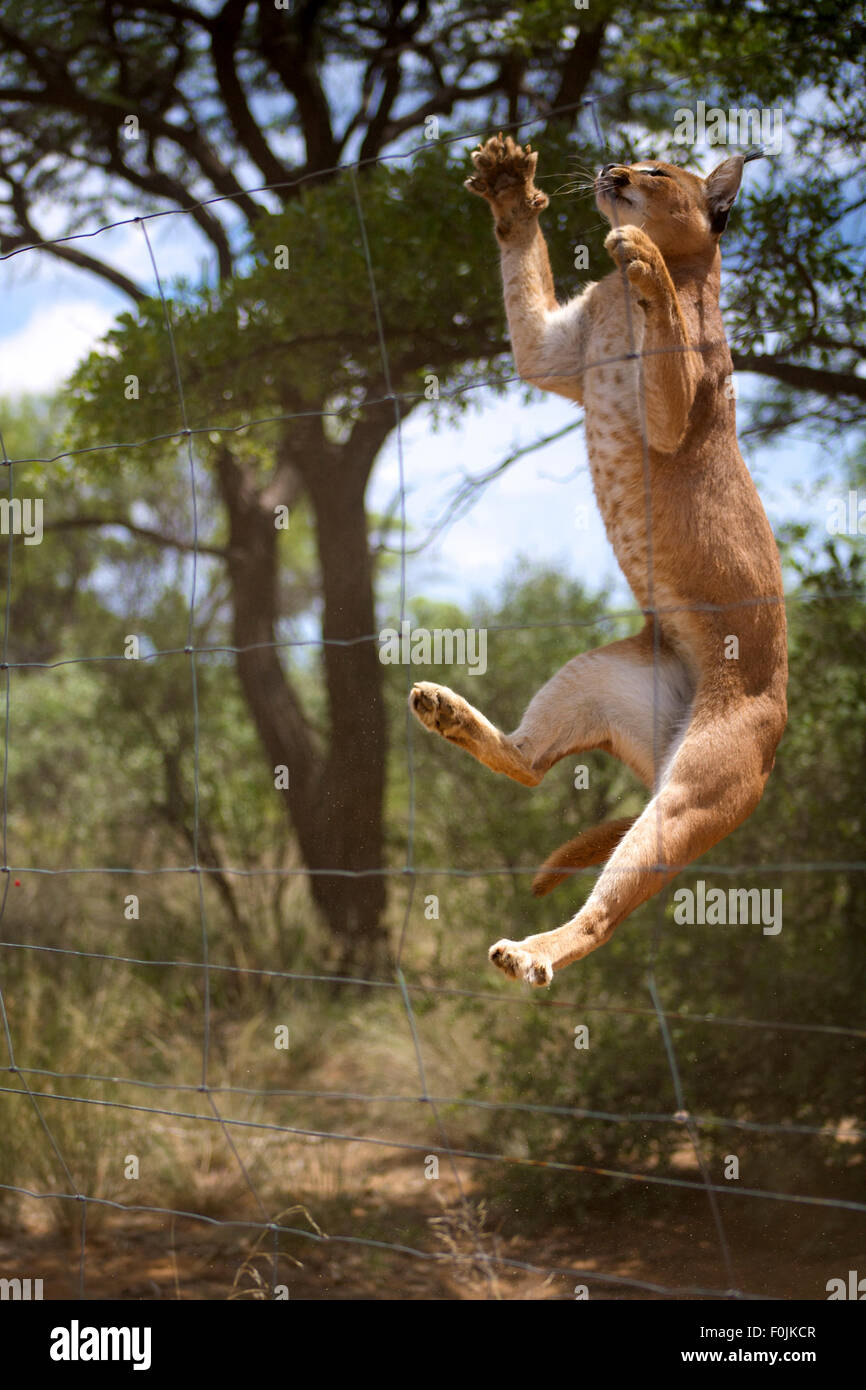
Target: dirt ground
{"type": "Point", "coordinates": [788, 1253]}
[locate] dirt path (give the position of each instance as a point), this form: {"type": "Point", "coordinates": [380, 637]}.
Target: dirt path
{"type": "Point", "coordinates": [145, 1257]}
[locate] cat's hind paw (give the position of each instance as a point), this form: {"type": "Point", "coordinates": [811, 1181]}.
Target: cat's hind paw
{"type": "Point", "coordinates": [515, 960]}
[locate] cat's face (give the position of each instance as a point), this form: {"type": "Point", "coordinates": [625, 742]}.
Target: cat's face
{"type": "Point", "coordinates": [682, 213]}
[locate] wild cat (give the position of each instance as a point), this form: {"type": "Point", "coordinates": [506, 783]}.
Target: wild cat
{"type": "Point", "coordinates": [695, 703]}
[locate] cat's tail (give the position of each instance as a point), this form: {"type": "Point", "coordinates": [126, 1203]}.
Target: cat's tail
{"type": "Point", "coordinates": [590, 847]}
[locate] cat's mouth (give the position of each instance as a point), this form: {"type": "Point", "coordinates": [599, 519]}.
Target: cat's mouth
{"type": "Point", "coordinates": [610, 187]}
{"type": "Point", "coordinates": [611, 194]}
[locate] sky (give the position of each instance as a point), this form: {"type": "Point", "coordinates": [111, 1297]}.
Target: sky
{"type": "Point", "coordinates": [541, 508]}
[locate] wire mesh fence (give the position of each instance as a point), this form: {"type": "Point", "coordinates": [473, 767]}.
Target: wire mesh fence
{"type": "Point", "coordinates": [24, 1081]}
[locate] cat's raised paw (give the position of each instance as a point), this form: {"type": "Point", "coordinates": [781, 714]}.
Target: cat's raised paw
{"type": "Point", "coordinates": [504, 173]}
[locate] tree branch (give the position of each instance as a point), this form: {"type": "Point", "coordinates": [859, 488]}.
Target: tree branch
{"type": "Point", "coordinates": [225, 30]}
{"type": "Point", "coordinates": [442, 104]}
{"type": "Point", "coordinates": [825, 382]}
{"type": "Point", "coordinates": [62, 94]}
{"type": "Point", "coordinates": [580, 65]}
{"type": "Point", "coordinates": [147, 533]}
{"type": "Point", "coordinates": [285, 47]}
{"type": "Point", "coordinates": [10, 242]}
{"type": "Point", "coordinates": [165, 186]}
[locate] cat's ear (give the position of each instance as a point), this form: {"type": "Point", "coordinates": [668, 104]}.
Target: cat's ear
{"type": "Point", "coordinates": [722, 187]}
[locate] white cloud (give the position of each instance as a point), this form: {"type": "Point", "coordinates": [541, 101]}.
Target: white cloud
{"type": "Point", "coordinates": [41, 354]}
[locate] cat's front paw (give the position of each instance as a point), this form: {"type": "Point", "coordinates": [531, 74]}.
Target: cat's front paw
{"type": "Point", "coordinates": [637, 254]}
{"type": "Point", "coordinates": [504, 174]}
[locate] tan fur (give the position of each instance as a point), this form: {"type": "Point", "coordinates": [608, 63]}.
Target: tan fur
{"type": "Point", "coordinates": [644, 351]}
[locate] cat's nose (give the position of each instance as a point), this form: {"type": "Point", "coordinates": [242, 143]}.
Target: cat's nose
{"type": "Point", "coordinates": [619, 177]}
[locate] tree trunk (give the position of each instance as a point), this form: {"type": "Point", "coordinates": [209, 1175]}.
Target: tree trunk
{"type": "Point", "coordinates": [349, 831]}
{"type": "Point", "coordinates": [334, 799]}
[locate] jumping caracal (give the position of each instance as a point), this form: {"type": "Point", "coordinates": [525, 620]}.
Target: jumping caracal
{"type": "Point", "coordinates": [696, 714]}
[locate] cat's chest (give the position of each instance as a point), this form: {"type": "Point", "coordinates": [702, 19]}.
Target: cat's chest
{"type": "Point", "coordinates": [612, 379]}
{"type": "Point", "coordinates": [619, 465]}
{"type": "Point", "coordinates": [619, 479]}
{"type": "Point", "coordinates": [614, 411]}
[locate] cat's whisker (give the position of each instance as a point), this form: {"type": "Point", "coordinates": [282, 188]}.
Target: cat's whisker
{"type": "Point", "coordinates": [582, 190]}
{"type": "Point", "coordinates": [588, 231]}
{"type": "Point", "coordinates": [571, 187]}
{"type": "Point", "coordinates": [582, 169]}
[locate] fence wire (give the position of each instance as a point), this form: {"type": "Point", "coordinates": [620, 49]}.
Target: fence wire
{"type": "Point", "coordinates": [690, 1123]}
